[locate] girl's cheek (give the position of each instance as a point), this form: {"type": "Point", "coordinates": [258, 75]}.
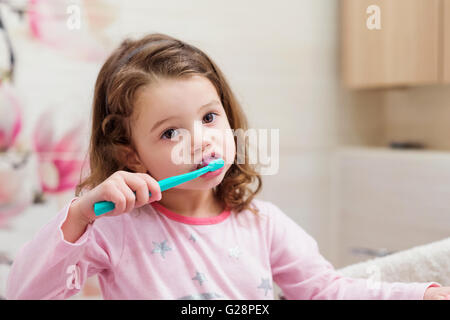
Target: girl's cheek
{"type": "Point", "coordinates": [179, 154]}
{"type": "Point", "coordinates": [160, 163]}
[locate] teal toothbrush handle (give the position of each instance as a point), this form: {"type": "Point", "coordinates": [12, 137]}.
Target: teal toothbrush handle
{"type": "Point", "coordinates": [103, 207]}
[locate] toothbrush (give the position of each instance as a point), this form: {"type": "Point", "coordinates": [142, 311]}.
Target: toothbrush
{"type": "Point", "coordinates": [102, 207]}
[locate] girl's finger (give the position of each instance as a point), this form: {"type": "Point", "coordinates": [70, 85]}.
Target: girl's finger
{"type": "Point", "coordinates": [153, 187]}
{"type": "Point", "coordinates": [141, 190]}
{"type": "Point", "coordinates": [137, 186]}
{"type": "Point", "coordinates": [130, 196]}
{"type": "Point", "coordinates": [116, 196]}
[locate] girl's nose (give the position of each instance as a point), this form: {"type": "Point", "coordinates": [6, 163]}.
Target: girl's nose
{"type": "Point", "coordinates": [200, 141]}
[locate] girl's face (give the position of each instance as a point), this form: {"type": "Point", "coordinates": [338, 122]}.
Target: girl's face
{"type": "Point", "coordinates": [178, 124]}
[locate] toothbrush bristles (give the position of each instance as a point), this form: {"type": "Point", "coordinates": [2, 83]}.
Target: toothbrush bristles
{"type": "Point", "coordinates": [216, 164]}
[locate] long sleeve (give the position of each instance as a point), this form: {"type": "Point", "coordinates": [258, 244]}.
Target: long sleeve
{"type": "Point", "coordinates": [303, 273]}
{"type": "Point", "coordinates": [49, 267]}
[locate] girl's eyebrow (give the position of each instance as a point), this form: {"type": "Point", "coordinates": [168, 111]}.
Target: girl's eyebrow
{"type": "Point", "coordinates": [160, 122]}
{"type": "Point", "coordinates": [212, 102]}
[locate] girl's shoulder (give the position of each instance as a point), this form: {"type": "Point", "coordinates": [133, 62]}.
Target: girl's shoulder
{"type": "Point", "coordinates": [274, 214]}
{"type": "Point", "coordinates": [266, 209]}
{"type": "Point", "coordinates": [265, 206]}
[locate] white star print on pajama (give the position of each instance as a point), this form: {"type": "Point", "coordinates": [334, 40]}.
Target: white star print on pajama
{"type": "Point", "coordinates": [234, 252]}
{"type": "Point", "coordinates": [161, 248]}
{"type": "Point", "coordinates": [200, 277]}
{"type": "Point", "coordinates": [265, 284]}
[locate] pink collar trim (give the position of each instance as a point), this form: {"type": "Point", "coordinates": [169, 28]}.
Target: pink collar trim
{"type": "Point", "coordinates": [190, 220]}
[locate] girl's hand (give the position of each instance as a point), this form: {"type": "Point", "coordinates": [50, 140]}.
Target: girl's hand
{"type": "Point", "coordinates": [437, 293]}
{"type": "Point", "coordinates": [118, 188]}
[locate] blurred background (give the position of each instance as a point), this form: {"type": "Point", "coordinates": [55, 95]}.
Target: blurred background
{"type": "Point", "coordinates": [359, 89]}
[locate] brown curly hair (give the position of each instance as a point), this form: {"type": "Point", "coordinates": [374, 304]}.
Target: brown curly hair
{"type": "Point", "coordinates": [134, 64]}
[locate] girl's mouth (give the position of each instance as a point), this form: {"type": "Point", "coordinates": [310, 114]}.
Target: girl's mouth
{"type": "Point", "coordinates": [207, 159]}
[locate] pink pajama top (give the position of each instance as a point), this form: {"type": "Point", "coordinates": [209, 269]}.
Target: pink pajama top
{"type": "Point", "coordinates": [153, 253]}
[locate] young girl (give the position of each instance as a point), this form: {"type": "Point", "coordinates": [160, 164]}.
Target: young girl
{"type": "Point", "coordinates": [208, 238]}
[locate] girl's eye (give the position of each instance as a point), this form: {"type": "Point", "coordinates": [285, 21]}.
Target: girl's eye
{"type": "Point", "coordinates": [169, 134]}
{"type": "Point", "coordinates": [209, 117]}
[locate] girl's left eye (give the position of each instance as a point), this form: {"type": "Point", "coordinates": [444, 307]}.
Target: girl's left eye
{"type": "Point", "coordinates": [209, 117]}
{"type": "Point", "coordinates": [169, 134]}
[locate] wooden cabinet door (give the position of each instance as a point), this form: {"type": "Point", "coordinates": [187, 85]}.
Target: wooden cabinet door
{"type": "Point", "coordinates": [404, 51]}
{"type": "Point", "coordinates": [446, 41]}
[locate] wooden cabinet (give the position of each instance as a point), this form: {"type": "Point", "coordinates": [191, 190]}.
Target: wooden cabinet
{"type": "Point", "coordinates": [446, 41]}
{"type": "Point", "coordinates": [406, 50]}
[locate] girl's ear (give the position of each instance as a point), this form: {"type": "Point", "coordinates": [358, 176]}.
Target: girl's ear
{"type": "Point", "coordinates": [131, 160]}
